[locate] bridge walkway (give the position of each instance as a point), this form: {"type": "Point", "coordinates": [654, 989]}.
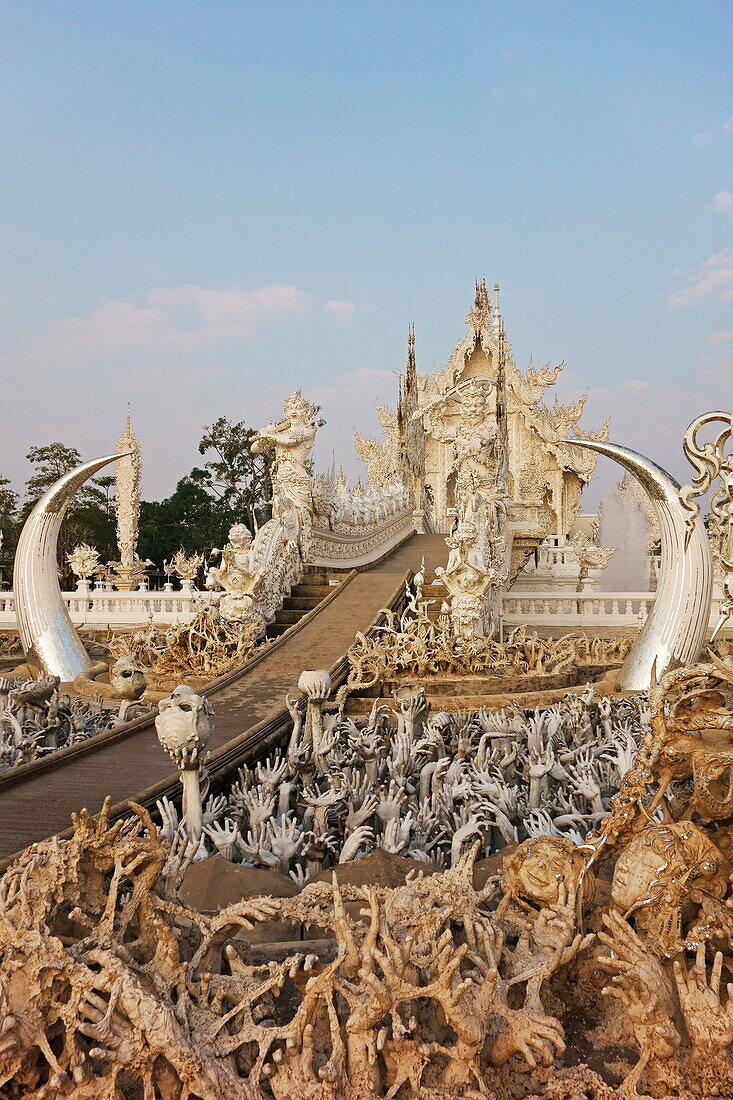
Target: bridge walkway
{"type": "Point", "coordinates": [36, 800]}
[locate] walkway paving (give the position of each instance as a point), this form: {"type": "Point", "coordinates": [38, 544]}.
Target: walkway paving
{"type": "Point", "coordinates": [39, 804]}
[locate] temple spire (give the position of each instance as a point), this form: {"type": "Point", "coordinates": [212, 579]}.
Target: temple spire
{"type": "Point", "coordinates": [498, 326]}
{"type": "Point", "coordinates": [480, 316]}
{"type": "Point", "coordinates": [129, 572]}
{"type": "Point", "coordinates": [409, 425]}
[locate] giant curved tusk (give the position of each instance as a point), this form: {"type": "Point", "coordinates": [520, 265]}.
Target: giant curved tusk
{"type": "Point", "coordinates": [675, 630]}
{"type": "Point", "coordinates": [48, 636]}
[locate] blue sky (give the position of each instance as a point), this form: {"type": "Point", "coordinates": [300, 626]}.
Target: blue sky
{"type": "Point", "coordinates": [204, 206]}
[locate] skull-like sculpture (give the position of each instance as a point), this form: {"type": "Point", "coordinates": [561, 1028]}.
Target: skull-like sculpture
{"type": "Point", "coordinates": [184, 726]}
{"type": "Point", "coordinates": [128, 679]}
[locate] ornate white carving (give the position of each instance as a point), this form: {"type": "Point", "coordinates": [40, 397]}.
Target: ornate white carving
{"type": "Point", "coordinates": [186, 566]}
{"type": "Point", "coordinates": [84, 562]}
{"type": "Point", "coordinates": [590, 556]}
{"type": "Point", "coordinates": [439, 425]}
{"type": "Point", "coordinates": [236, 575]}
{"type": "Point", "coordinates": [129, 571]}
{"type": "Point", "coordinates": [467, 579]}
{"type": "Point", "coordinates": [292, 441]}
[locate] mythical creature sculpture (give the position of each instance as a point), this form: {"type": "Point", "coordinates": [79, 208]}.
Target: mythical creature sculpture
{"type": "Point", "coordinates": [382, 459]}
{"type": "Point", "coordinates": [590, 556]}
{"type": "Point", "coordinates": [236, 574]}
{"type": "Point", "coordinates": [128, 680]}
{"type": "Point", "coordinates": [184, 728]}
{"type": "Point", "coordinates": [467, 579]}
{"type": "Point", "coordinates": [186, 566]}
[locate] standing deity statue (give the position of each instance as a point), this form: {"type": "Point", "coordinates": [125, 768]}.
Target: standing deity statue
{"type": "Point", "coordinates": [292, 440]}
{"type": "Point", "coordinates": [468, 580]}
{"type": "Point", "coordinates": [464, 418]}
{"type": "Point", "coordinates": [475, 439]}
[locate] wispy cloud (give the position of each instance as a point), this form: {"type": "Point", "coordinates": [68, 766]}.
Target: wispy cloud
{"type": "Point", "coordinates": [711, 281]}
{"type": "Point", "coordinates": [707, 138]}
{"type": "Point", "coordinates": [723, 202]}
{"type": "Point", "coordinates": [342, 311]}
{"type": "Point", "coordinates": [181, 321]}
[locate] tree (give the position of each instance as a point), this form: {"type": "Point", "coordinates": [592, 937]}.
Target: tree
{"type": "Point", "coordinates": [88, 518]}
{"type": "Point", "coordinates": [239, 480]}
{"type": "Point", "coordinates": [106, 483]}
{"type": "Point", "coordinates": [190, 519]}
{"type": "Point", "coordinates": [9, 528]}
{"type": "Point", "coordinates": [51, 462]}
{"type": "Point", "coordinates": [8, 499]}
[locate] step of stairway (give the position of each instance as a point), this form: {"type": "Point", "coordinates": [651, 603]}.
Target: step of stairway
{"type": "Point", "coordinates": [289, 616]}
{"type": "Point", "coordinates": [318, 590]}
{"type": "Point", "coordinates": [300, 603]}
{"type": "Point", "coordinates": [274, 630]}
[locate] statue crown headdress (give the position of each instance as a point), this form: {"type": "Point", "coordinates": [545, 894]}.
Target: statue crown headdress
{"type": "Point", "coordinates": [297, 407]}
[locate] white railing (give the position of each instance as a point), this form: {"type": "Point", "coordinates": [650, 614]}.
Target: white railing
{"type": "Point", "coordinates": [576, 608]}
{"type": "Point", "coordinates": [533, 609]}
{"type": "Point", "coordinates": [350, 546]}
{"type": "Point", "coordinates": [100, 607]}
{"type": "Point", "coordinates": [582, 609]}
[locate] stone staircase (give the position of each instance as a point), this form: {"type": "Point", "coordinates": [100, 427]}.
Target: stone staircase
{"type": "Point", "coordinates": [435, 590]}
{"type": "Point", "coordinates": [302, 599]}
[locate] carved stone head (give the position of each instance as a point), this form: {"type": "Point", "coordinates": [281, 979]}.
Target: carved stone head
{"type": "Point", "coordinates": [127, 678]}
{"type": "Point", "coordinates": [533, 872]}
{"type": "Point", "coordinates": [297, 408]}
{"type": "Point", "coordinates": [184, 725]}
{"type": "Point", "coordinates": [240, 536]}
{"type": "Point", "coordinates": [663, 875]}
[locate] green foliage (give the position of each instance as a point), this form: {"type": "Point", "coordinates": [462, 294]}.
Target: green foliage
{"type": "Point", "coordinates": [191, 519]}
{"type": "Point", "coordinates": [233, 486]}
{"type": "Point", "coordinates": [233, 476]}
{"type": "Point", "coordinates": [9, 527]}
{"type": "Point", "coordinates": [89, 518]}
{"type": "Point", "coordinates": [50, 463]}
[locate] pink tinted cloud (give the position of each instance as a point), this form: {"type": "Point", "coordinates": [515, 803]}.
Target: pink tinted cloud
{"type": "Point", "coordinates": [713, 281]}
{"type": "Point", "coordinates": [235, 305]}
{"type": "Point", "coordinates": [342, 311]}
{"type": "Point", "coordinates": [185, 320]}
{"type": "Point", "coordinates": [715, 339]}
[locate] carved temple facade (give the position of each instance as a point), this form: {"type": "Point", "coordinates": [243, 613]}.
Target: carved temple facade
{"type": "Point", "coordinates": [482, 393]}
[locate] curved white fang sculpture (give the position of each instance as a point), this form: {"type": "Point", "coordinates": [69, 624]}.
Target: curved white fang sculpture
{"type": "Point", "coordinates": [47, 635]}
{"type": "Point", "coordinates": [675, 629]}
